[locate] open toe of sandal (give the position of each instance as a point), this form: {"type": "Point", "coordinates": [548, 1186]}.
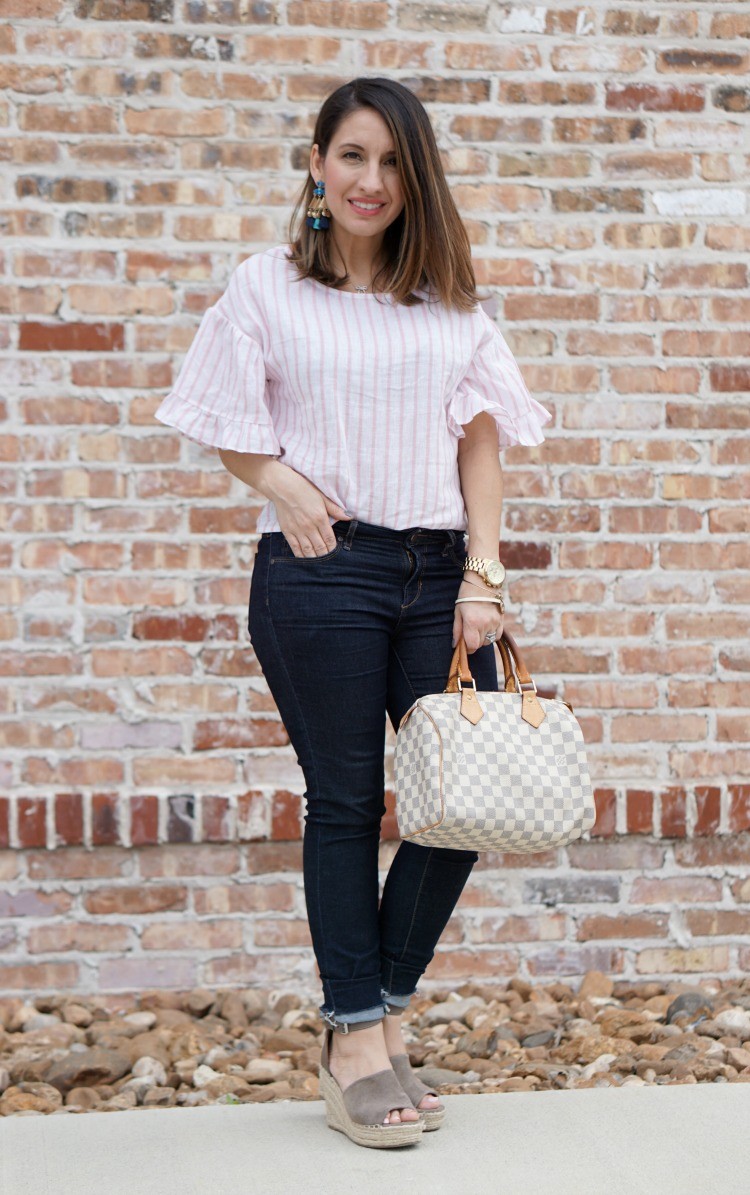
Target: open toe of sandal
{"type": "Point", "coordinates": [417, 1090]}
{"type": "Point", "coordinates": [359, 1111]}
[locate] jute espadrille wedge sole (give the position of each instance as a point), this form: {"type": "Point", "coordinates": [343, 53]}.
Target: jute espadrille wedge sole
{"type": "Point", "coordinates": [359, 1110]}
{"type": "Point", "coordinates": [417, 1090]}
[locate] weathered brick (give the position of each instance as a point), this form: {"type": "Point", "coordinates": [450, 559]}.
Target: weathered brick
{"type": "Point", "coordinates": [649, 97]}
{"type": "Point", "coordinates": [639, 807]}
{"type": "Point", "coordinates": [39, 977]}
{"type": "Point", "coordinates": [144, 819]}
{"type": "Point", "coordinates": [624, 925]}
{"type": "Point", "coordinates": [125, 578]}
{"type": "Point", "coordinates": [249, 897]}
{"type": "Point", "coordinates": [142, 899]}
{"type": "Point", "coordinates": [555, 890]}
{"type": "Point", "coordinates": [739, 807]}
{"type": "Point", "coordinates": [674, 813]}
{"type": "Point", "coordinates": [29, 902]}
{"type": "Point", "coordinates": [278, 931]}
{"type": "Point", "coordinates": [663, 961]}
{"type": "Point", "coordinates": [605, 800]}
{"type": "Point", "coordinates": [708, 810]}
{"type": "Point", "coordinates": [187, 860]}
{"type": "Point", "coordinates": [515, 928]}
{"type": "Point", "coordinates": [692, 58]}
{"type": "Point", "coordinates": [32, 821]}
{"type": "Point", "coordinates": [192, 935]}
{"type": "Point", "coordinates": [68, 819]}
{"type": "Point", "coordinates": [722, 922]}
{"type": "Point", "coordinates": [447, 964]}
{"type": "Point", "coordinates": [621, 854]}
{"type": "Point", "coordinates": [681, 889]}
{"type": "Point", "coordinates": [575, 960]}
{"type": "Point", "coordinates": [81, 938]}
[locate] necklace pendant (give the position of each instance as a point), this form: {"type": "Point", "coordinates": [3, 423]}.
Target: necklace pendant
{"type": "Point", "coordinates": [362, 289]}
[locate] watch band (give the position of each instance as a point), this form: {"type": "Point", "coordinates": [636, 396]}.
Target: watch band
{"type": "Point", "coordinates": [478, 564]}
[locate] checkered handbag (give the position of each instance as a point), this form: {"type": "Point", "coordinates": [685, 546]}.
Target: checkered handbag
{"type": "Point", "coordinates": [491, 770]}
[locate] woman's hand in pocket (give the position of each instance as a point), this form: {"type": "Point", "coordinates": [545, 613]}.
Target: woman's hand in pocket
{"type": "Point", "coordinates": [303, 513]}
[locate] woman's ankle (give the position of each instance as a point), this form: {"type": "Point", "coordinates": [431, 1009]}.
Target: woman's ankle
{"type": "Point", "coordinates": [364, 1038]}
{"type": "Point", "coordinates": [392, 1031]}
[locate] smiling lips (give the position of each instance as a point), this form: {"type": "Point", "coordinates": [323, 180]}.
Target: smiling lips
{"type": "Point", "coordinates": [365, 208]}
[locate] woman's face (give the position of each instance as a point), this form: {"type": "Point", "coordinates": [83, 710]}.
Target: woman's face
{"type": "Point", "coordinates": [360, 164]}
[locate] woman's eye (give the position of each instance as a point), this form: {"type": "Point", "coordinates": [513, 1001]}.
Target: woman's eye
{"type": "Point", "coordinates": [353, 152]}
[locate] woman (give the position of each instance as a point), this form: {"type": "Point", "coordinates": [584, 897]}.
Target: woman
{"type": "Point", "coordinates": [350, 377]}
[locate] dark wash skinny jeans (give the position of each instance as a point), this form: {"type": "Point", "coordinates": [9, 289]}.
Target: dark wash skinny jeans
{"type": "Point", "coordinates": [343, 640]}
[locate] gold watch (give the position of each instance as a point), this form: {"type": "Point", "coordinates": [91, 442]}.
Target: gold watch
{"type": "Point", "coordinates": [492, 572]}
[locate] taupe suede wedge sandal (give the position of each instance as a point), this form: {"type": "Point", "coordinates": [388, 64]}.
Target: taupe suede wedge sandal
{"type": "Point", "coordinates": [417, 1090]}
{"type": "Point", "coordinates": [359, 1110]}
{"type": "Point", "coordinates": [413, 1085]}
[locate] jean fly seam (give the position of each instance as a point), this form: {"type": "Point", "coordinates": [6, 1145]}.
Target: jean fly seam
{"type": "Point", "coordinates": [303, 723]}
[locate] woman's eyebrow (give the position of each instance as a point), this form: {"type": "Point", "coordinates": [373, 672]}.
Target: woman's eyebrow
{"type": "Point", "coordinates": [355, 146]}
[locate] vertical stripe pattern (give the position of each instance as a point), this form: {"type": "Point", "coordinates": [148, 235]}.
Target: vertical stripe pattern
{"type": "Point", "coordinates": [365, 397]}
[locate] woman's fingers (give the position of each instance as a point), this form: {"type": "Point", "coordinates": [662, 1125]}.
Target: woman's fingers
{"type": "Point", "coordinates": [475, 625]}
{"type": "Point", "coordinates": [310, 541]}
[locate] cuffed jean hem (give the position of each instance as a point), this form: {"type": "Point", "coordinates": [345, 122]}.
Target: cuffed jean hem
{"type": "Point", "coordinates": [397, 979]}
{"type": "Point", "coordinates": [351, 1018]}
{"type": "Point", "coordinates": [345, 997]}
{"type": "Point", "coordinates": [376, 1012]}
{"type": "Point", "coordinates": [399, 1002]}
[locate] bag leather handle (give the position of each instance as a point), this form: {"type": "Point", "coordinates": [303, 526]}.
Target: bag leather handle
{"type": "Point", "coordinates": [510, 655]}
{"type": "Point", "coordinates": [532, 710]}
{"type": "Point", "coordinates": [508, 648]}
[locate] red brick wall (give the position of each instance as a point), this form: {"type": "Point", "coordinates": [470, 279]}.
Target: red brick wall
{"type": "Point", "coordinates": [149, 798]}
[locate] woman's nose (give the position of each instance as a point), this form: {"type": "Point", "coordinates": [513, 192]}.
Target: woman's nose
{"type": "Point", "coordinates": [373, 181]}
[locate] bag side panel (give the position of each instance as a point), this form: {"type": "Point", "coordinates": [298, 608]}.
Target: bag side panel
{"type": "Point", "coordinates": [417, 765]}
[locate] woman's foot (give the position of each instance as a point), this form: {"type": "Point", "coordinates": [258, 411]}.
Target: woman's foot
{"type": "Point", "coordinates": [355, 1055]}
{"type": "Point", "coordinates": [395, 1044]}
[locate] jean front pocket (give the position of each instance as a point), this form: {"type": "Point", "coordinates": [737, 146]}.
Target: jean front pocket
{"type": "Point", "coordinates": [281, 546]}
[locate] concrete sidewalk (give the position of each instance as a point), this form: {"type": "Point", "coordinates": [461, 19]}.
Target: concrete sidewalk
{"type": "Point", "coordinates": [686, 1140]}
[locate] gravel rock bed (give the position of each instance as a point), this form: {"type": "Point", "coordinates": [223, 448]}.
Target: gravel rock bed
{"type": "Point", "coordinates": [61, 1054]}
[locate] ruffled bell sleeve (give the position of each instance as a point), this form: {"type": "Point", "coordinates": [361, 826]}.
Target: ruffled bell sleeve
{"type": "Point", "coordinates": [219, 398]}
{"type": "Point", "coordinates": [494, 383]}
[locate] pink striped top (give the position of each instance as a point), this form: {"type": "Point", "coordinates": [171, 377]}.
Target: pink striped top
{"type": "Point", "coordinates": [363, 396]}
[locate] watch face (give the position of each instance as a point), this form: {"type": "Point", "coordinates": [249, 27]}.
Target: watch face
{"type": "Point", "coordinates": [495, 572]}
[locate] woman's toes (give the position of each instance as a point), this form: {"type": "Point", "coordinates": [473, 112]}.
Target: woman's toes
{"type": "Point", "coordinates": [427, 1102]}
{"type": "Point", "coordinates": [405, 1116]}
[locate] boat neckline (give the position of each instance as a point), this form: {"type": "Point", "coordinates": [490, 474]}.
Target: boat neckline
{"type": "Point", "coordinates": [350, 294]}
{"type": "Point", "coordinates": [353, 294]}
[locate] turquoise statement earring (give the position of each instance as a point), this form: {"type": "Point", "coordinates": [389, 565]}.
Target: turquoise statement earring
{"type": "Point", "coordinates": [318, 213]}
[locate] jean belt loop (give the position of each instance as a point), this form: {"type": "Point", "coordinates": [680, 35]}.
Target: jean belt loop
{"type": "Point", "coordinates": [350, 534]}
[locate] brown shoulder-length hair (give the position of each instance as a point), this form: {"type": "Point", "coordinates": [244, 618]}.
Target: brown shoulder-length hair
{"type": "Point", "coordinates": [426, 246]}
